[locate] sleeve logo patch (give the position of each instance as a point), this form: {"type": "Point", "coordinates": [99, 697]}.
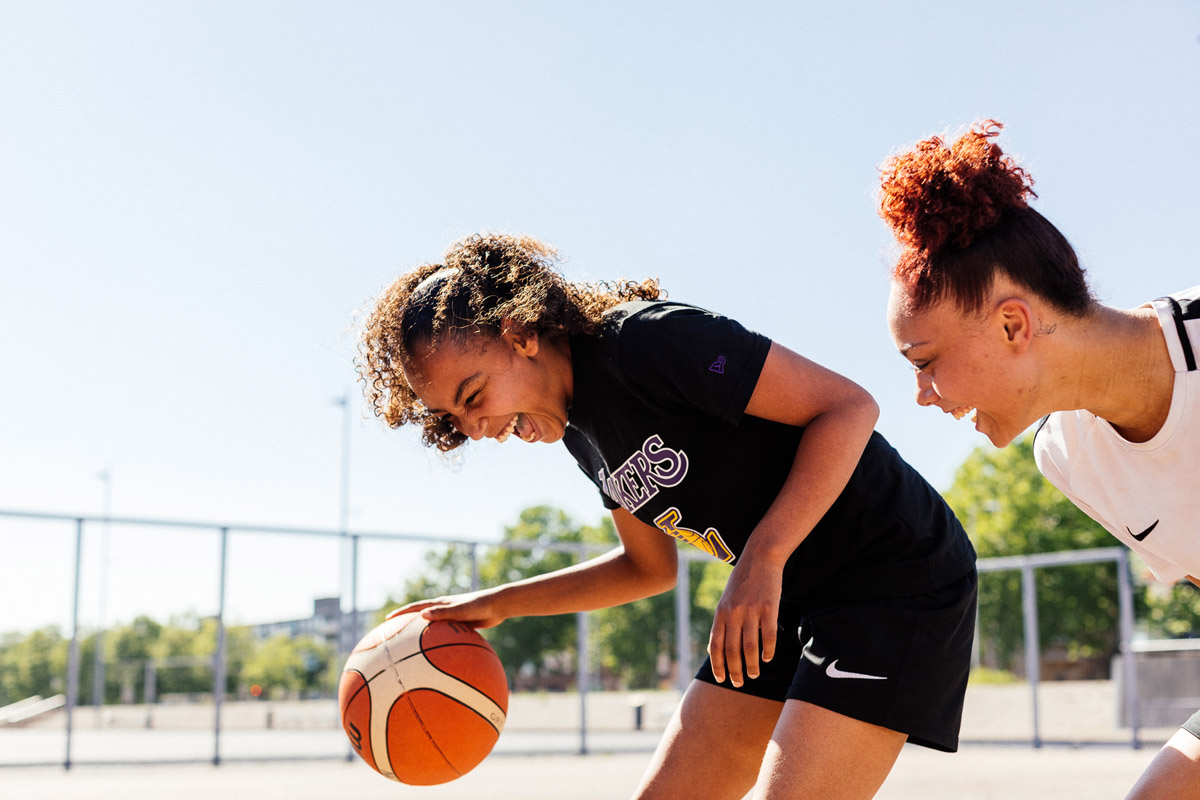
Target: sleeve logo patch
{"type": "Point", "coordinates": [718, 366]}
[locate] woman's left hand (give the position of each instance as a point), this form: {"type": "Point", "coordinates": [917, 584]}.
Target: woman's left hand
{"type": "Point", "coordinates": [746, 617]}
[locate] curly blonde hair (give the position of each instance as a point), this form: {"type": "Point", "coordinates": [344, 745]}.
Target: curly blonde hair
{"type": "Point", "coordinates": [485, 282]}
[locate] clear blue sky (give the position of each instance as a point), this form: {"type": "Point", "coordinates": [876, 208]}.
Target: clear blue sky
{"type": "Point", "coordinates": [195, 198]}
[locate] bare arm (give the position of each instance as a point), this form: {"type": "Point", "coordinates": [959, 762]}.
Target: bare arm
{"type": "Point", "coordinates": [838, 416]}
{"type": "Point", "coordinates": [644, 564]}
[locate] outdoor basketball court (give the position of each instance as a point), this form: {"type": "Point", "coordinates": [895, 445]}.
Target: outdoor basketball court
{"type": "Point", "coordinates": [977, 772]}
{"type": "Point", "coordinates": [536, 756]}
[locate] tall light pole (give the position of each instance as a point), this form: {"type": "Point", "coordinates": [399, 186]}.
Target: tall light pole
{"type": "Point", "coordinates": [101, 611]}
{"type": "Point", "coordinates": [344, 511]}
{"type": "Point", "coordinates": [348, 562]}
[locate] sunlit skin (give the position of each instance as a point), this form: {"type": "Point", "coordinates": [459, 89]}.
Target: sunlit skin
{"type": "Point", "coordinates": [517, 385]}
{"type": "Point", "coordinates": [520, 384]}
{"type": "Point", "coordinates": [1019, 358]}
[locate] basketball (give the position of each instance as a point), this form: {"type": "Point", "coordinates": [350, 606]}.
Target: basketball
{"type": "Point", "coordinates": [423, 702]}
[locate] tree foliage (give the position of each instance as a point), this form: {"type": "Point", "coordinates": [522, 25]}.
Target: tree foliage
{"type": "Point", "coordinates": [286, 665]}
{"type": "Point", "coordinates": [180, 653]}
{"type": "Point", "coordinates": [633, 643]}
{"type": "Point", "coordinates": [1009, 508]}
{"type": "Point", "coordinates": [536, 646]}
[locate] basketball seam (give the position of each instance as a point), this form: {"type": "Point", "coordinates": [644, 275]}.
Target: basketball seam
{"type": "Point", "coordinates": [470, 708]}
{"type": "Point", "coordinates": [366, 682]}
{"type": "Point", "coordinates": [405, 695]}
{"type": "Point", "coordinates": [425, 650]}
{"type": "Point", "coordinates": [428, 733]}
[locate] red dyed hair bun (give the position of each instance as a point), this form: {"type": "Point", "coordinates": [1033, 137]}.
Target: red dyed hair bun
{"type": "Point", "coordinates": [933, 195]}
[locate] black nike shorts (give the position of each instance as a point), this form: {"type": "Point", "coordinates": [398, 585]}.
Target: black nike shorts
{"type": "Point", "coordinates": [901, 663]}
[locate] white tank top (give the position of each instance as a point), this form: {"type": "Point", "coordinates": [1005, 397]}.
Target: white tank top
{"type": "Point", "coordinates": [1147, 494]}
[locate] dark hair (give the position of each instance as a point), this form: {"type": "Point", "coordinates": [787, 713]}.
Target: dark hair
{"type": "Point", "coordinates": [484, 282]}
{"type": "Point", "coordinates": [961, 213]}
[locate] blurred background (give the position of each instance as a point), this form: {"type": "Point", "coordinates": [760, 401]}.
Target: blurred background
{"type": "Point", "coordinates": [196, 200]}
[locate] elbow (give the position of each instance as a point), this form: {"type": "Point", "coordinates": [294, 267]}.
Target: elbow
{"type": "Point", "coordinates": [666, 581]}
{"type": "Point", "coordinates": [661, 575]}
{"type": "Point", "coordinates": [862, 408]}
{"type": "Point", "coordinates": [870, 410]}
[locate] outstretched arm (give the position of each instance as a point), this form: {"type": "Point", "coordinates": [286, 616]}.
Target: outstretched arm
{"type": "Point", "coordinates": [838, 417]}
{"type": "Point", "coordinates": [644, 564]}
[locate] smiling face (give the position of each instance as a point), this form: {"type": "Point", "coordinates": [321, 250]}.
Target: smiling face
{"type": "Point", "coordinates": [497, 387]}
{"type": "Point", "coordinates": [969, 363]}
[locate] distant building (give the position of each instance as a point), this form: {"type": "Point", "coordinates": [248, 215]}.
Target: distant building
{"type": "Point", "coordinates": [324, 624]}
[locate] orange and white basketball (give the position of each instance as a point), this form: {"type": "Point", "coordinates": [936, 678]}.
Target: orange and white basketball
{"type": "Point", "coordinates": [423, 702]}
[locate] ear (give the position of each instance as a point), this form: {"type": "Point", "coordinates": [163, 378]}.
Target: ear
{"type": "Point", "coordinates": [1015, 316]}
{"type": "Point", "coordinates": [523, 340]}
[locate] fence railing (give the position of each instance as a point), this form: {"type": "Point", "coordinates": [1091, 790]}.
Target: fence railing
{"type": "Point", "coordinates": [351, 623]}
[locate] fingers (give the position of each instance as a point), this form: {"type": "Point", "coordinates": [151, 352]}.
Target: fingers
{"type": "Point", "coordinates": [769, 628]}
{"type": "Point", "coordinates": [716, 652]}
{"type": "Point", "coordinates": [750, 651]}
{"type": "Point", "coordinates": [734, 646]}
{"type": "Point", "coordinates": [414, 607]}
{"type": "Point", "coordinates": [730, 646]}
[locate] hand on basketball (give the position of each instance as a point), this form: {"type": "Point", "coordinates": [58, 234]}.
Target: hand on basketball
{"type": "Point", "coordinates": [473, 608]}
{"type": "Point", "coordinates": [747, 613]}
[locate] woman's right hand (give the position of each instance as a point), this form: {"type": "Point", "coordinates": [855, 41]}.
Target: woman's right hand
{"type": "Point", "coordinates": [477, 609]}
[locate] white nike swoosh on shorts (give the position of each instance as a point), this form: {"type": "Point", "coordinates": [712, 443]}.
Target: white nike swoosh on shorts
{"type": "Point", "coordinates": [833, 672]}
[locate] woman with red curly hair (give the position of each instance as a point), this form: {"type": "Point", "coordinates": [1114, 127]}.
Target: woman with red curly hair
{"type": "Point", "coordinates": [992, 308]}
{"type": "Point", "coordinates": [845, 627]}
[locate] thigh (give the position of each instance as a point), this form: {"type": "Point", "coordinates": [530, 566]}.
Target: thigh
{"type": "Point", "coordinates": [1175, 771]}
{"type": "Point", "coordinates": [713, 746]}
{"type": "Point", "coordinates": [818, 754]}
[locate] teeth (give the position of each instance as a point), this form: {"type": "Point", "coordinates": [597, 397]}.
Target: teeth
{"type": "Point", "coordinates": [962, 411]}
{"type": "Point", "coordinates": [508, 429]}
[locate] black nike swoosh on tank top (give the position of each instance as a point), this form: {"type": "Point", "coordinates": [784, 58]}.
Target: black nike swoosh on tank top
{"type": "Point", "coordinates": [1143, 534]}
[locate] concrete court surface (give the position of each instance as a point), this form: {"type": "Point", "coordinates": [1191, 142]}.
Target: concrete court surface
{"type": "Point", "coordinates": [976, 772]}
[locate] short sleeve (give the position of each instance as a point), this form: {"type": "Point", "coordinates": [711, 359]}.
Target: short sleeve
{"type": "Point", "coordinates": [688, 356]}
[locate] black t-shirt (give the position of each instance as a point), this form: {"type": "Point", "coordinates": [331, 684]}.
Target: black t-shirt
{"type": "Point", "coordinates": [657, 422]}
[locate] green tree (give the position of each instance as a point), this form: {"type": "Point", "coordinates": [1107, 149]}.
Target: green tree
{"type": "Point", "coordinates": [32, 664]}
{"type": "Point", "coordinates": [1170, 612]}
{"type": "Point", "coordinates": [535, 647]}
{"type": "Point", "coordinates": [631, 640]}
{"type": "Point", "coordinates": [538, 646]}
{"type": "Point", "coordinates": [1008, 508]}
{"type": "Point", "coordinates": [288, 666]}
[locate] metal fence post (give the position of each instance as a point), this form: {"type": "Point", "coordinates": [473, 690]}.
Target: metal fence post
{"type": "Point", "coordinates": [1032, 651]}
{"type": "Point", "coordinates": [1128, 656]}
{"type": "Point", "coordinates": [582, 678]}
{"type": "Point", "coordinates": [219, 655]}
{"type": "Point", "coordinates": [73, 653]}
{"type": "Point", "coordinates": [683, 626]}
{"type": "Point", "coordinates": [474, 566]}
{"type": "Point", "coordinates": [355, 625]}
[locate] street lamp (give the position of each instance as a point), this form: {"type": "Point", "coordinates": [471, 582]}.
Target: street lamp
{"type": "Point", "coordinates": [346, 638]}
{"type": "Point", "coordinates": [98, 672]}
